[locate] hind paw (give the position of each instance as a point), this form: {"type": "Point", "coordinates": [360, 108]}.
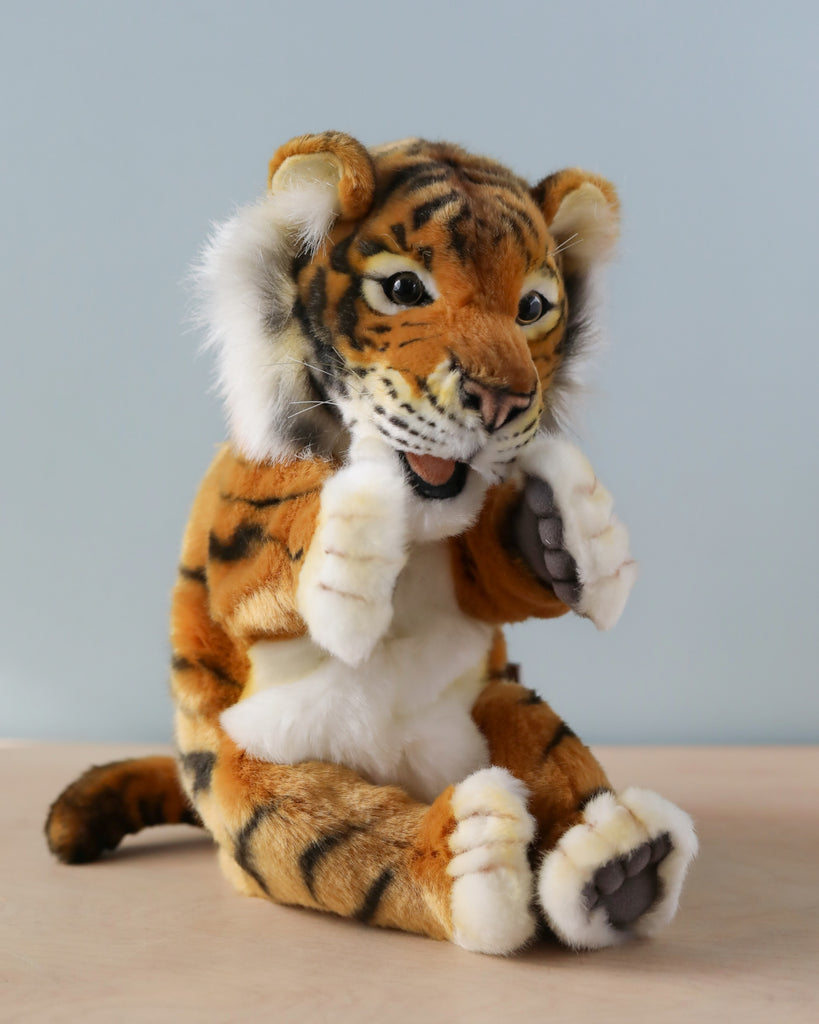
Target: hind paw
{"type": "Point", "coordinates": [619, 872]}
{"type": "Point", "coordinates": [492, 880]}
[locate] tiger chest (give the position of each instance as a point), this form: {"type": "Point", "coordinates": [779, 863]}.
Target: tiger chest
{"type": "Point", "coordinates": [400, 717]}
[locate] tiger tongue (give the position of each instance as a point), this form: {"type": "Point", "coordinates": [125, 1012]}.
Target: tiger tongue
{"type": "Point", "coordinates": [431, 469]}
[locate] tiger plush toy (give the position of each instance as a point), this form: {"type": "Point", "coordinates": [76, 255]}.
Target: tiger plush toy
{"type": "Point", "coordinates": [399, 333]}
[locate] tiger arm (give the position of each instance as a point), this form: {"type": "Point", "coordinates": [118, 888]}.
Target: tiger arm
{"type": "Point", "coordinates": [493, 583]}
{"type": "Point", "coordinates": [548, 544]}
{"type": "Point", "coordinates": [305, 546]}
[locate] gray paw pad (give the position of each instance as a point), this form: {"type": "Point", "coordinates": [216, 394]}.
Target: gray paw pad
{"type": "Point", "coordinates": [628, 886]}
{"type": "Point", "coordinates": [539, 535]}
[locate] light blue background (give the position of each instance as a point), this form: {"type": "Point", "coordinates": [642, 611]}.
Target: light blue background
{"type": "Point", "coordinates": [128, 127]}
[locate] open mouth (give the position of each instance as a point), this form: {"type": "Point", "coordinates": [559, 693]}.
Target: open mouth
{"type": "Point", "coordinates": [431, 477]}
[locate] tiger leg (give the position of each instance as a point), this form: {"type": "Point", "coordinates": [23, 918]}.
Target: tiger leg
{"type": "Point", "coordinates": [317, 835]}
{"type": "Point", "coordinates": [610, 865]}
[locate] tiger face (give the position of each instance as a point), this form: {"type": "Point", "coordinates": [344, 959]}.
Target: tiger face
{"type": "Point", "coordinates": [414, 290]}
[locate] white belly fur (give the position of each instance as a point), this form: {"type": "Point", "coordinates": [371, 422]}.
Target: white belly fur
{"type": "Point", "coordinates": [402, 717]}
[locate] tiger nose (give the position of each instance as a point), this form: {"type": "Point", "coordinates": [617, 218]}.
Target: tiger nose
{"type": "Point", "coordinates": [497, 405]}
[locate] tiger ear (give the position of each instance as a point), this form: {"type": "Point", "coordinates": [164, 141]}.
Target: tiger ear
{"type": "Point", "coordinates": [583, 216]}
{"type": "Point", "coordinates": [582, 212]}
{"type": "Point", "coordinates": [318, 178]}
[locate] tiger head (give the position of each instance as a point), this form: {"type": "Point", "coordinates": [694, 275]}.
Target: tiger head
{"type": "Point", "coordinates": [414, 290]}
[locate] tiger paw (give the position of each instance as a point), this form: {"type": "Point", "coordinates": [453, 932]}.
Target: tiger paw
{"type": "Point", "coordinates": [568, 535]}
{"type": "Point", "coordinates": [491, 877]}
{"type": "Point", "coordinates": [359, 548]}
{"type": "Point", "coordinates": [619, 872]}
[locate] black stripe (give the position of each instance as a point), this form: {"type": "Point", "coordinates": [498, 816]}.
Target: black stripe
{"type": "Point", "coordinates": [404, 176]}
{"type": "Point", "coordinates": [432, 178]}
{"type": "Point", "coordinates": [517, 231]}
{"type": "Point", "coordinates": [246, 537]}
{"type": "Point", "coordinates": [521, 214]}
{"type": "Point", "coordinates": [267, 502]}
{"type": "Point", "coordinates": [421, 214]}
{"type": "Point", "coordinates": [400, 234]}
{"type": "Point", "coordinates": [561, 733]}
{"type": "Point", "coordinates": [495, 179]}
{"type": "Point", "coordinates": [198, 575]}
{"type": "Point", "coordinates": [347, 313]}
{"type": "Point", "coordinates": [181, 664]}
{"type": "Point", "coordinates": [457, 239]}
{"type": "Point", "coordinates": [241, 850]}
{"type": "Point", "coordinates": [338, 258]}
{"type": "Point", "coordinates": [426, 253]}
{"type": "Point", "coordinates": [532, 698]}
{"type": "Point", "coordinates": [367, 910]}
{"type": "Point", "coordinates": [372, 247]}
{"type": "Point", "coordinates": [308, 861]}
{"type": "Point", "coordinates": [216, 670]}
{"type": "Point", "coordinates": [199, 764]}
{"type": "Point", "coordinates": [587, 799]}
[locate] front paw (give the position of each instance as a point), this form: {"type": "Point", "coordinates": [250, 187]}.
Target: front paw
{"type": "Point", "coordinates": [568, 535]}
{"type": "Point", "coordinates": [358, 550]}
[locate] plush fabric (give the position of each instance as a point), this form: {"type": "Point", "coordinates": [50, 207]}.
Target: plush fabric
{"type": "Point", "coordinates": [399, 335]}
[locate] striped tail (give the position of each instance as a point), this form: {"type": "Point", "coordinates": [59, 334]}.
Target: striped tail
{"type": "Point", "coordinates": [111, 801]}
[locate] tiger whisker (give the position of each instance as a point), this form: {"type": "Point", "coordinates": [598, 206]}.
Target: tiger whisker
{"type": "Point", "coordinates": [567, 244]}
{"type": "Point", "coordinates": [318, 369]}
{"type": "Point", "coordinates": [298, 412]}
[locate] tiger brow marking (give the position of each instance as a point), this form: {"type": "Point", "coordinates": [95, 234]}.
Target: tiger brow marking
{"type": "Point", "coordinates": [400, 233]}
{"type": "Point", "coordinates": [520, 213]}
{"type": "Point", "coordinates": [458, 240]}
{"type": "Point", "coordinates": [516, 229]}
{"type": "Point", "coordinates": [421, 214]}
{"type": "Point", "coordinates": [424, 180]}
{"type": "Point", "coordinates": [407, 174]}
{"type": "Point", "coordinates": [372, 247]}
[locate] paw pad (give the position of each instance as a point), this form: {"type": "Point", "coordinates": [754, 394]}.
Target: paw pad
{"type": "Point", "coordinates": [626, 887]}
{"type": "Point", "coordinates": [619, 871]}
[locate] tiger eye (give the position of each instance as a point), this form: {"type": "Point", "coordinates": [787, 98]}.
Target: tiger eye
{"type": "Point", "coordinates": [404, 289]}
{"type": "Point", "coordinates": [531, 307]}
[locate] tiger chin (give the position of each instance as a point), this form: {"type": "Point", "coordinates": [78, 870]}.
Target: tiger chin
{"type": "Point", "coordinates": [399, 334]}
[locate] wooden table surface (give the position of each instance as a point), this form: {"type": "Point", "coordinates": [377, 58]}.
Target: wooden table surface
{"type": "Point", "coordinates": [152, 933]}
